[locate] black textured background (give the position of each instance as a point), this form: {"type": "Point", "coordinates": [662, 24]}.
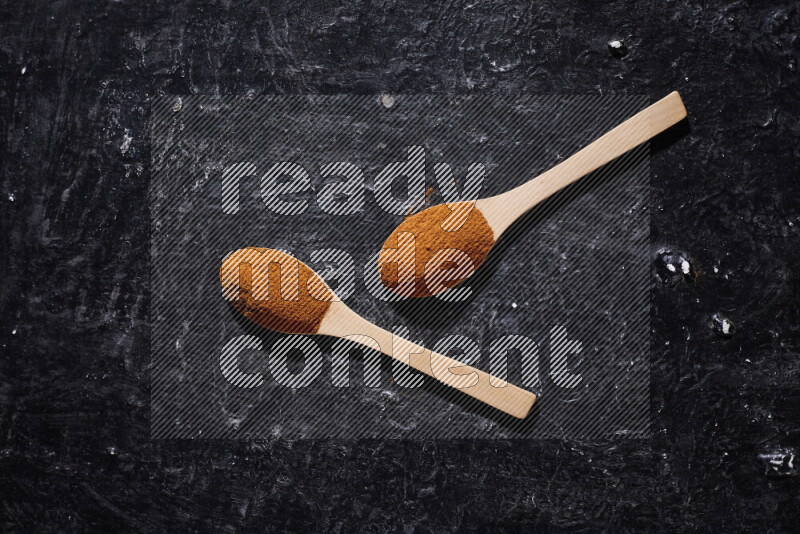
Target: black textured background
{"type": "Point", "coordinates": [76, 83]}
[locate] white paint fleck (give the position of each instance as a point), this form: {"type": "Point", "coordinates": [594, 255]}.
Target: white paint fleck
{"type": "Point", "coordinates": [126, 143]}
{"type": "Point", "coordinates": [235, 422]}
{"type": "Point", "coordinates": [670, 268]}
{"type": "Point", "coordinates": [14, 332]}
{"type": "Point", "coordinates": [716, 269]}
{"type": "Point", "coordinates": [780, 462]}
{"type": "Point", "coordinates": [11, 197]}
{"type": "Point", "coordinates": [513, 304]}
{"type": "Point", "coordinates": [507, 66]}
{"type": "Point", "coordinates": [726, 327]}
{"type": "Point", "coordinates": [387, 100]}
{"type": "Point", "coordinates": [685, 267]}
{"type": "Point", "coordinates": [178, 105]}
{"type": "Point", "coordinates": [24, 69]}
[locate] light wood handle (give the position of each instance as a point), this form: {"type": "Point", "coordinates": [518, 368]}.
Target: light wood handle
{"type": "Point", "coordinates": [504, 209]}
{"type": "Point", "coordinates": [342, 322]}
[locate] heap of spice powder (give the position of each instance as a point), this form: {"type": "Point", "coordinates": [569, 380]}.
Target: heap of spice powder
{"type": "Point", "coordinates": [474, 237]}
{"type": "Point", "coordinates": [275, 290]}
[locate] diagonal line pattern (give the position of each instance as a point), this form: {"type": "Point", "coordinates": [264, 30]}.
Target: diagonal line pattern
{"type": "Point", "coordinates": [348, 141]}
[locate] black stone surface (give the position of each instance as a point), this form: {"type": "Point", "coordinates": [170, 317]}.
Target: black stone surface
{"type": "Point", "coordinates": [75, 85]}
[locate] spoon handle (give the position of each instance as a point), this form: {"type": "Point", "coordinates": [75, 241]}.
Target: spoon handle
{"type": "Point", "coordinates": [502, 210]}
{"type": "Point", "coordinates": [342, 322]}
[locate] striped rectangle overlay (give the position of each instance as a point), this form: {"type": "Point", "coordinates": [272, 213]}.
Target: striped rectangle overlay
{"type": "Point", "coordinates": [561, 306]}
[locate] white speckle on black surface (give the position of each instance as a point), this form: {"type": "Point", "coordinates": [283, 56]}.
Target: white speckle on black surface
{"type": "Point", "coordinates": [780, 462]}
{"type": "Point", "coordinates": [673, 267]}
{"type": "Point", "coordinates": [125, 146]}
{"type": "Point", "coordinates": [387, 100]}
{"type": "Point", "coordinates": [618, 48]}
{"type": "Point", "coordinates": [722, 325]}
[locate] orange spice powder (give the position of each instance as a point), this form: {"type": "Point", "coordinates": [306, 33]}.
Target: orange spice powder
{"type": "Point", "coordinates": [275, 290]}
{"type": "Point", "coordinates": [433, 233]}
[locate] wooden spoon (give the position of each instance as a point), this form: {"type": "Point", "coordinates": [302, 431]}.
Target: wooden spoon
{"type": "Point", "coordinates": [279, 292]}
{"type": "Point", "coordinates": [414, 262]}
